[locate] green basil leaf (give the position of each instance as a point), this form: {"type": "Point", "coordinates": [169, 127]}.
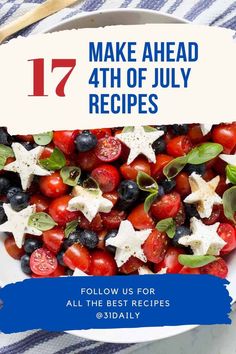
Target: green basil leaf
{"type": "Point", "coordinates": [231, 173]}
{"type": "Point", "coordinates": [44, 138]}
{"type": "Point", "coordinates": [70, 175]}
{"type": "Point", "coordinates": [70, 227]}
{"type": "Point", "coordinates": [41, 221]}
{"type": "Point", "coordinates": [173, 168]}
{"type": "Point", "coordinates": [229, 203]}
{"type": "Point", "coordinates": [193, 261]}
{"type": "Point", "coordinates": [55, 161]}
{"type": "Point", "coordinates": [167, 225]}
{"type": "Point", "coordinates": [5, 152]}
{"type": "Point", "coordinates": [204, 152]}
{"type": "Point", "coordinates": [149, 200]}
{"type": "Point", "coordinates": [149, 129]}
{"type": "Point", "coordinates": [146, 183]}
{"type": "Point", "coordinates": [127, 129]}
{"type": "Point", "coordinates": [90, 183]}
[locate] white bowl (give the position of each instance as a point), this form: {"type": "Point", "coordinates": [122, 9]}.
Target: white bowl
{"type": "Point", "coordinates": [11, 271]}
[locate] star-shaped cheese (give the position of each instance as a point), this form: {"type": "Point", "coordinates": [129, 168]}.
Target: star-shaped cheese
{"type": "Point", "coordinates": [206, 128]}
{"type": "Point", "coordinates": [79, 273]}
{"type": "Point", "coordinates": [145, 270]}
{"type": "Point", "coordinates": [128, 243]}
{"type": "Point", "coordinates": [17, 223]}
{"type": "Point", "coordinates": [89, 202]}
{"type": "Point", "coordinates": [26, 164]}
{"type": "Point", "coordinates": [204, 239]}
{"type": "Point", "coordinates": [140, 142]}
{"type": "Point", "coordinates": [203, 194]}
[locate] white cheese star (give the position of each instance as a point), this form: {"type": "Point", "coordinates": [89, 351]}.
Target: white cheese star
{"type": "Point", "coordinates": [206, 128]}
{"type": "Point", "coordinates": [17, 223]}
{"type": "Point", "coordinates": [26, 164]}
{"type": "Point", "coordinates": [140, 142]}
{"type": "Point", "coordinates": [128, 243]}
{"type": "Point", "coordinates": [145, 270]}
{"type": "Point", "coordinates": [79, 273]}
{"type": "Point", "coordinates": [89, 202]}
{"type": "Point", "coordinates": [203, 194]}
{"type": "Point", "coordinates": [204, 239]}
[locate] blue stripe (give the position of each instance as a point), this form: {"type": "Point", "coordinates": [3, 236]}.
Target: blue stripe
{"type": "Point", "coordinates": [231, 8]}
{"type": "Point", "coordinates": [105, 348]}
{"type": "Point", "coordinates": [174, 6]}
{"type": "Point", "coordinates": [73, 347]}
{"type": "Point", "coordinates": [230, 23]}
{"type": "Point", "coordinates": [197, 9]}
{"type": "Point", "coordinates": [9, 13]}
{"type": "Point", "coordinates": [126, 3]}
{"type": "Point", "coordinates": [92, 5]}
{"type": "Point", "coordinates": [152, 4]}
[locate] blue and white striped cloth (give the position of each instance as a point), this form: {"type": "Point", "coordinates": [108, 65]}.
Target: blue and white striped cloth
{"type": "Point", "coordinates": [209, 12]}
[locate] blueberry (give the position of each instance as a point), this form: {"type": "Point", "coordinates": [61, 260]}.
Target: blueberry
{"type": "Point", "coordinates": [85, 141]}
{"type": "Point", "coordinates": [88, 238]}
{"type": "Point", "coordinates": [19, 201]}
{"type": "Point", "coordinates": [111, 233]}
{"type": "Point", "coordinates": [25, 264]}
{"type": "Point", "coordinates": [161, 191]}
{"type": "Point", "coordinates": [168, 185]}
{"type": "Point", "coordinates": [128, 191]}
{"type": "Point", "coordinates": [5, 138]}
{"type": "Point", "coordinates": [71, 239]}
{"type": "Point", "coordinates": [180, 129]}
{"type": "Point", "coordinates": [32, 244]}
{"type": "Point", "coordinates": [60, 258]}
{"type": "Point", "coordinates": [199, 169]}
{"type": "Point", "coordinates": [159, 146]}
{"type": "Point", "coordinates": [12, 191]}
{"type": "Point", "coordinates": [4, 184]}
{"type": "Point", "coordinates": [27, 145]}
{"type": "Point", "coordinates": [191, 211]}
{"type": "Point", "coordinates": [3, 216]}
{"type": "Point", "coordinates": [180, 232]}
{"type": "Point", "coordinates": [69, 272]}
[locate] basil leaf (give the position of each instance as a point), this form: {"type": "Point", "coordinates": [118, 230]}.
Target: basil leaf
{"type": "Point", "coordinates": [70, 227]}
{"type": "Point", "coordinates": [55, 161]}
{"type": "Point", "coordinates": [149, 200]}
{"type": "Point", "coordinates": [173, 168]}
{"type": "Point", "coordinates": [149, 129]}
{"type": "Point", "coordinates": [5, 152]}
{"type": "Point", "coordinates": [146, 183]}
{"type": "Point", "coordinates": [41, 221]}
{"type": "Point", "coordinates": [168, 226]}
{"type": "Point", "coordinates": [44, 138]}
{"type": "Point", "coordinates": [231, 173]}
{"type": "Point", "coordinates": [127, 129]}
{"type": "Point", "coordinates": [193, 261]}
{"type": "Point", "coordinates": [229, 203]}
{"type": "Point", "coordinates": [70, 175]}
{"type": "Point", "coordinates": [90, 183]}
{"type": "Point", "coordinates": [204, 153]}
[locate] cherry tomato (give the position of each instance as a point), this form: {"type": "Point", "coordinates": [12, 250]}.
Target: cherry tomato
{"type": "Point", "coordinates": [182, 184]}
{"type": "Point", "coordinates": [40, 202]}
{"type": "Point", "coordinates": [12, 249]}
{"type": "Point", "coordinates": [102, 263]}
{"type": "Point", "coordinates": [139, 164]}
{"type": "Point", "coordinates": [157, 168]}
{"type": "Point", "coordinates": [43, 262]}
{"type": "Point", "coordinates": [26, 138]}
{"type": "Point", "coordinates": [228, 234]}
{"type": "Point", "coordinates": [167, 206]}
{"type": "Point", "coordinates": [179, 146]}
{"type": "Point", "coordinates": [108, 149]}
{"type": "Point", "coordinates": [47, 151]}
{"type": "Point", "coordinates": [140, 219]}
{"type": "Point", "coordinates": [112, 196]}
{"type": "Point", "coordinates": [170, 261]}
{"type": "Point", "coordinates": [52, 186]}
{"type": "Point", "coordinates": [222, 186]}
{"type": "Point", "coordinates": [107, 177]}
{"type": "Point", "coordinates": [187, 270]}
{"type": "Point", "coordinates": [77, 256]}
{"type": "Point", "coordinates": [101, 239]}
{"type": "Point", "coordinates": [155, 246]}
{"type": "Point", "coordinates": [65, 140]}
{"type": "Point", "coordinates": [218, 268]}
{"type": "Point", "coordinates": [95, 225]}
{"type": "Point", "coordinates": [131, 266]}
{"type": "Point", "coordinates": [53, 239]}
{"type": "Point", "coordinates": [181, 215]}
{"type": "Point", "coordinates": [59, 272]}
{"type": "Point", "coordinates": [225, 134]}
{"type": "Point", "coordinates": [101, 133]}
{"type": "Point", "coordinates": [219, 166]}
{"type": "Point", "coordinates": [214, 217]}
{"type": "Point", "coordinates": [113, 219]}
{"type": "Point", "coordinates": [195, 134]}
{"type": "Point", "coordinates": [208, 175]}
{"type": "Point", "coordinates": [87, 160]}
{"type": "Point", "coordinates": [59, 213]}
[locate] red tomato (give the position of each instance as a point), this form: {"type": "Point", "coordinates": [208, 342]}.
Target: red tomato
{"type": "Point", "coordinates": [112, 196]}
{"type": "Point", "coordinates": [157, 167]}
{"type": "Point", "coordinates": [179, 146]}
{"type": "Point", "coordinates": [225, 134]}
{"type": "Point", "coordinates": [218, 268]}
{"type": "Point", "coordinates": [87, 160]}
{"type": "Point", "coordinates": [77, 256]}
{"type": "Point", "coordinates": [155, 246]}
{"type": "Point", "coordinates": [59, 272]}
{"type": "Point", "coordinates": [107, 177]}
{"type": "Point", "coordinates": [186, 270]}
{"type": "Point", "coordinates": [26, 138]}
{"type": "Point", "coordinates": [52, 186]}
{"type": "Point", "coordinates": [53, 239]}
{"type": "Point", "coordinates": [101, 239]}
{"type": "Point", "coordinates": [101, 133]}
{"type": "Point", "coordinates": [108, 149]}
{"type": "Point", "coordinates": [131, 266]}
{"type": "Point", "coordinates": [208, 175]}
{"type": "Point", "coordinates": [228, 234]}
{"type": "Point", "coordinates": [219, 166]}
{"type": "Point", "coordinates": [12, 249]}
{"type": "Point", "coordinates": [94, 225]}
{"type": "Point", "coordinates": [102, 263]}
{"type": "Point", "coordinates": [167, 206]}
{"type": "Point", "coordinates": [59, 213]}
{"type": "Point", "coordinates": [222, 186]}
{"type": "Point", "coordinates": [113, 219]}
{"type": "Point", "coordinates": [43, 262]}
{"type": "Point", "coordinates": [40, 202]}
{"type": "Point", "coordinates": [182, 184]}
{"type": "Point", "coordinates": [214, 217]}
{"type": "Point", "coordinates": [65, 140]}
{"type": "Point", "coordinates": [181, 215]}
{"type": "Point", "coordinates": [170, 261]}
{"type": "Point", "coordinates": [47, 151]}
{"type": "Point", "coordinates": [139, 164]}
{"type": "Point", "coordinates": [195, 134]}
{"type": "Point", "coordinates": [140, 219]}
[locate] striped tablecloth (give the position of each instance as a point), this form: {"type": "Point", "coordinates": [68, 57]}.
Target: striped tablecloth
{"type": "Point", "coordinates": [209, 12]}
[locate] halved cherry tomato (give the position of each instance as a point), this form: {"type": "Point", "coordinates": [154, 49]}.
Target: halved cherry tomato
{"type": "Point", "coordinates": [101, 133]}
{"type": "Point", "coordinates": [139, 164]}
{"type": "Point", "coordinates": [214, 217]}
{"type": "Point", "coordinates": [157, 168]}
{"type": "Point", "coordinates": [107, 177]}
{"type": "Point", "coordinates": [170, 261]}
{"type": "Point", "coordinates": [182, 184]}
{"type": "Point", "coordinates": [12, 249]}
{"type": "Point", "coordinates": [112, 196]}
{"type": "Point", "coordinates": [131, 266]}
{"type": "Point", "coordinates": [180, 216]}
{"type": "Point", "coordinates": [113, 219]}
{"type": "Point", "coordinates": [102, 263]}
{"type": "Point", "coordinates": [52, 186]}
{"type": "Point", "coordinates": [217, 268]}
{"type": "Point", "coordinates": [43, 262]}
{"type": "Point", "coordinates": [59, 272]}
{"type": "Point", "coordinates": [108, 149]}
{"type": "Point", "coordinates": [228, 233]}
{"type": "Point", "coordinates": [88, 160]}
{"type": "Point", "coordinates": [179, 146]}
{"type": "Point", "coordinates": [225, 134]}
{"type": "Point", "coordinates": [40, 202]}
{"type": "Point", "coordinates": [195, 134]}
{"type": "Point", "coordinates": [65, 140]}
{"type": "Point", "coordinates": [167, 206]}
{"type": "Point", "coordinates": [59, 213]}
{"type": "Point", "coordinates": [95, 225]}
{"type": "Point", "coordinates": [187, 270]}
{"type": "Point", "coordinates": [155, 246]}
{"type": "Point", "coordinates": [53, 239]}
{"type": "Point", "coordinates": [77, 256]}
{"type": "Point", "coordinates": [140, 219]}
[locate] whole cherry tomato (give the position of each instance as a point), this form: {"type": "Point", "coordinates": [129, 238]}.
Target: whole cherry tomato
{"type": "Point", "coordinates": [170, 261]}
{"type": "Point", "coordinates": [155, 246]}
{"type": "Point", "coordinates": [218, 268]}
{"type": "Point", "coordinates": [140, 219]}
{"type": "Point", "coordinates": [113, 219]}
{"type": "Point", "coordinates": [139, 164]}
{"type": "Point", "coordinates": [228, 233]}
{"type": "Point", "coordinates": [40, 202]}
{"type": "Point", "coordinates": [59, 213]}
{"type": "Point", "coordinates": [167, 206]}
{"type": "Point", "coordinates": [157, 168]}
{"type": "Point", "coordinates": [26, 138]}
{"type": "Point", "coordinates": [112, 196]}
{"type": "Point", "coordinates": [53, 239]}
{"type": "Point", "coordinates": [214, 217]}
{"type": "Point", "coordinates": [187, 270]}
{"type": "Point", "coordinates": [182, 184]}
{"type": "Point", "coordinates": [95, 225]}
{"type": "Point", "coordinates": [107, 176]}
{"type": "Point", "coordinates": [102, 263]}
{"type": "Point", "coordinates": [77, 256]}
{"type": "Point", "coordinates": [43, 262]}
{"type": "Point", "coordinates": [179, 146]}
{"type": "Point", "coordinates": [225, 134]}
{"type": "Point", "coordinates": [52, 186]}
{"type": "Point", "coordinates": [101, 133]}
{"type": "Point", "coordinates": [195, 134]}
{"type": "Point", "coordinates": [88, 160]}
{"type": "Point", "coordinates": [131, 266]}
{"type": "Point", "coordinates": [65, 140]}
{"type": "Point", "coordinates": [12, 249]}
